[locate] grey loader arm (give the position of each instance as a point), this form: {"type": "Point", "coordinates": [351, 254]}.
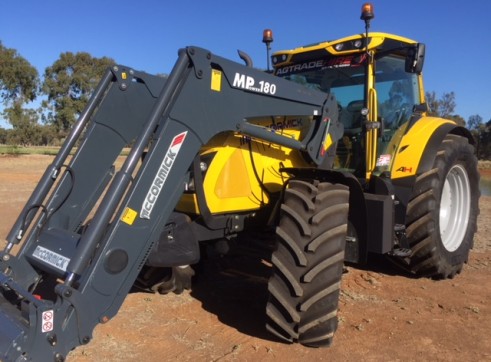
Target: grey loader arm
{"type": "Point", "coordinates": [87, 229]}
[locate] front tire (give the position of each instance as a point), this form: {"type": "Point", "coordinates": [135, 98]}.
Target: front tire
{"type": "Point", "coordinates": [442, 212]}
{"type": "Point", "coordinates": [308, 263]}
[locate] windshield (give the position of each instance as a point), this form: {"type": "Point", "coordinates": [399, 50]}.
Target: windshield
{"type": "Point", "coordinates": [344, 77]}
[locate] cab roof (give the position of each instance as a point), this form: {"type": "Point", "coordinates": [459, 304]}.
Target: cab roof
{"type": "Point", "coordinates": [344, 46]}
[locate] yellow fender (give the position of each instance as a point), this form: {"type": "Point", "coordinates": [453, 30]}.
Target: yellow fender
{"type": "Point", "coordinates": [418, 146]}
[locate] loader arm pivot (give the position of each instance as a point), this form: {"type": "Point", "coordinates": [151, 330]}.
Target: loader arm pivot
{"type": "Point", "coordinates": [87, 229]}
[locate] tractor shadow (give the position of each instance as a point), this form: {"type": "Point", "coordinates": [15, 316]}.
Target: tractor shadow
{"type": "Point", "coordinates": [383, 264]}
{"type": "Point", "coordinates": [235, 289]}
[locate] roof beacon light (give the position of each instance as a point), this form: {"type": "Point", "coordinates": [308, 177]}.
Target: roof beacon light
{"type": "Point", "coordinates": [367, 13]}
{"type": "Point", "coordinates": [267, 39]}
{"type": "Point", "coordinates": [267, 36]}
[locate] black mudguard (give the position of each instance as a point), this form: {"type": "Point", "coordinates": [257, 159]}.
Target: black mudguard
{"type": "Point", "coordinates": [357, 242]}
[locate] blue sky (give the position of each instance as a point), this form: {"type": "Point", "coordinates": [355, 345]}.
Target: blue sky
{"type": "Point", "coordinates": [146, 34]}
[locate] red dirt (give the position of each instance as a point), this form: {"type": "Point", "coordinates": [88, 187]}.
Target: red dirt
{"type": "Point", "coordinates": [384, 314]}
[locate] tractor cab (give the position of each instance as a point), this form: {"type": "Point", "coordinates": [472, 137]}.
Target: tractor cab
{"type": "Point", "coordinates": [378, 87]}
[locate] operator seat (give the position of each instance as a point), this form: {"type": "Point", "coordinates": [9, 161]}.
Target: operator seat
{"type": "Point", "coordinates": [351, 116]}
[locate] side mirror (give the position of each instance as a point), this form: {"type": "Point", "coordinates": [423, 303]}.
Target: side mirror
{"type": "Point", "coordinates": [415, 58]}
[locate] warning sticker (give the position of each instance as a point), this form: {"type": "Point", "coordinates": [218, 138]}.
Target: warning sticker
{"type": "Point", "coordinates": [216, 80]}
{"type": "Point", "coordinates": [47, 323]}
{"type": "Point", "coordinates": [129, 216]}
{"type": "Point", "coordinates": [384, 160]}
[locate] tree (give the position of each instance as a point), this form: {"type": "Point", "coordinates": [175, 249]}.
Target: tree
{"type": "Point", "coordinates": [19, 83]}
{"type": "Point", "coordinates": [474, 122]}
{"type": "Point", "coordinates": [68, 84]}
{"type": "Point", "coordinates": [3, 135]}
{"type": "Point", "coordinates": [25, 127]}
{"type": "Point", "coordinates": [482, 135]}
{"type": "Point", "coordinates": [443, 107]}
{"type": "Point", "coordinates": [447, 105]}
{"type": "Point", "coordinates": [19, 80]}
{"type": "Point", "coordinates": [457, 119]}
{"type": "Point", "coordinates": [432, 104]}
{"type": "Point", "coordinates": [485, 149]}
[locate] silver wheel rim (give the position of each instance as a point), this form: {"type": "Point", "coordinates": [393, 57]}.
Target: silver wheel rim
{"type": "Point", "coordinates": [455, 205]}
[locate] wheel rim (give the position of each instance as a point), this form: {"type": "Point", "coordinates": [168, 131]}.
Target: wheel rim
{"type": "Point", "coordinates": [455, 207]}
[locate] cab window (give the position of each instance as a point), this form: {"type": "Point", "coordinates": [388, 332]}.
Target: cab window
{"type": "Point", "coordinates": [397, 91]}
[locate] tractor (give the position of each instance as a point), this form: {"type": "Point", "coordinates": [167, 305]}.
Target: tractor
{"type": "Point", "coordinates": [332, 152]}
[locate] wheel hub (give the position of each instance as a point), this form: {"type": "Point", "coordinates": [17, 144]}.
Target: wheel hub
{"type": "Point", "coordinates": [455, 206]}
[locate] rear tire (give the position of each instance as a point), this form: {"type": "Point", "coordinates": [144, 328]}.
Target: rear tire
{"type": "Point", "coordinates": [442, 212]}
{"type": "Point", "coordinates": [308, 263]}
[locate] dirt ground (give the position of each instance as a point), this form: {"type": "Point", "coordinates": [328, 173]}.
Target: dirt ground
{"type": "Point", "coordinates": [384, 314]}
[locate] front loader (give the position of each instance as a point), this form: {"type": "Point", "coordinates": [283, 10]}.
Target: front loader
{"type": "Point", "coordinates": [333, 151]}
{"type": "Point", "coordinates": [83, 252]}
